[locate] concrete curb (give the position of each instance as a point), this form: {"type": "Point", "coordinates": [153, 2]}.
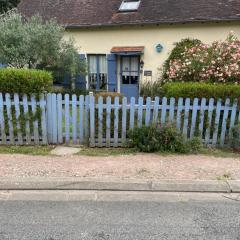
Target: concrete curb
{"type": "Point", "coordinates": [107, 184]}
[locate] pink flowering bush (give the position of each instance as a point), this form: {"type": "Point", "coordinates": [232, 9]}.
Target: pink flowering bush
{"type": "Point", "coordinates": [218, 62]}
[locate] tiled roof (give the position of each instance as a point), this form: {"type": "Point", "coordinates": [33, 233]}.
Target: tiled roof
{"type": "Point", "coordinates": [92, 13]}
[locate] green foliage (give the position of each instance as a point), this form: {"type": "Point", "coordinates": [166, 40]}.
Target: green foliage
{"type": "Point", "coordinates": [5, 5]}
{"type": "Point", "coordinates": [145, 139]}
{"type": "Point", "coordinates": [161, 138]}
{"type": "Point", "coordinates": [105, 95]}
{"type": "Point", "coordinates": [201, 90]}
{"type": "Point", "coordinates": [151, 89]}
{"type": "Point", "coordinates": [235, 138]}
{"type": "Point", "coordinates": [24, 81]}
{"type": "Point", "coordinates": [177, 52]}
{"type": "Point", "coordinates": [70, 91]}
{"type": "Point", "coordinates": [218, 62]}
{"type": "Point", "coordinates": [27, 150]}
{"type": "Point", "coordinates": [39, 44]}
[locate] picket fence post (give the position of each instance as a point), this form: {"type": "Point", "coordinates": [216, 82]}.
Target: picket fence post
{"type": "Point", "coordinates": [100, 121]}
{"type": "Point", "coordinates": [116, 109]}
{"type": "Point", "coordinates": [2, 122]}
{"type": "Point", "coordinates": [59, 118]}
{"type": "Point", "coordinates": [224, 122]}
{"type": "Point", "coordinates": [124, 119]}
{"type": "Point", "coordinates": [49, 118]}
{"type": "Point", "coordinates": [194, 117]}
{"type": "Point", "coordinates": [81, 119]}
{"type": "Point", "coordinates": [92, 121]}
{"type": "Point", "coordinates": [43, 119]}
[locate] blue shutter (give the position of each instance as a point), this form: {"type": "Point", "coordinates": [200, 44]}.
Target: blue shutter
{"type": "Point", "coordinates": [81, 78]}
{"type": "Point", "coordinates": [67, 80]}
{"type": "Point", "coordinates": [112, 72]}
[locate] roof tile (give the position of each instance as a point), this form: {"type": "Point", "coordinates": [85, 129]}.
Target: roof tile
{"type": "Point", "coordinates": [92, 13]}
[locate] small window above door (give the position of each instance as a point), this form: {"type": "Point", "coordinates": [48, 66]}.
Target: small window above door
{"type": "Point", "coordinates": [97, 72]}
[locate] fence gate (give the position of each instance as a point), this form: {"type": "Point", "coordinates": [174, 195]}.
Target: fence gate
{"type": "Point", "coordinates": [67, 119]}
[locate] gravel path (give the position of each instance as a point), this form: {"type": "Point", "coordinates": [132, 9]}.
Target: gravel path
{"type": "Point", "coordinates": [151, 166]}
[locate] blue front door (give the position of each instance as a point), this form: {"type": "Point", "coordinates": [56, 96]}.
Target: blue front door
{"type": "Point", "coordinates": [130, 75]}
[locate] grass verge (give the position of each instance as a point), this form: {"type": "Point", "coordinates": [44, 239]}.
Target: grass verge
{"type": "Point", "coordinates": [105, 152]}
{"type": "Point", "coordinates": [27, 150]}
{"type": "Point", "coordinates": [211, 152]}
{"type": "Point", "coordinates": [220, 153]}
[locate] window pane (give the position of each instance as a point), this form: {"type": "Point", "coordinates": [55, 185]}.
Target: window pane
{"type": "Point", "coordinates": [97, 72]}
{"type": "Point", "coordinates": [134, 66]}
{"type": "Point", "coordinates": [103, 64]}
{"type": "Point", "coordinates": [129, 5]}
{"type": "Point", "coordinates": [102, 72]}
{"type": "Point", "coordinates": [134, 80]}
{"type": "Point", "coordinates": [125, 79]}
{"type": "Point", "coordinates": [92, 66]}
{"type": "Point", "coordinates": [92, 63]}
{"type": "Point", "coordinates": [126, 66]}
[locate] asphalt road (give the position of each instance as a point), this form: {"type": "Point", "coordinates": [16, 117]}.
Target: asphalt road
{"type": "Point", "coordinates": [96, 220]}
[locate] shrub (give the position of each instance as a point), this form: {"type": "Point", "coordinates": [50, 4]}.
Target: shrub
{"type": "Point", "coordinates": [151, 89]}
{"type": "Point", "coordinates": [144, 139]}
{"type": "Point", "coordinates": [235, 138]}
{"type": "Point", "coordinates": [105, 95]}
{"type": "Point", "coordinates": [201, 90]}
{"type": "Point", "coordinates": [25, 81]}
{"type": "Point", "coordinates": [178, 51]}
{"type": "Point", "coordinates": [218, 62]}
{"type": "Point", "coordinates": [70, 91]}
{"type": "Point", "coordinates": [163, 138]}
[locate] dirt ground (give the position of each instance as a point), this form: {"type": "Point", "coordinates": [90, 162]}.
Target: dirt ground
{"type": "Point", "coordinates": [150, 166]}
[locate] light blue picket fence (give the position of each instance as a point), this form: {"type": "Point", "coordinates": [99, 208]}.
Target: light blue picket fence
{"type": "Point", "coordinates": [210, 120]}
{"type": "Point", "coordinates": [65, 119]}
{"type": "Point", "coordinates": [22, 120]}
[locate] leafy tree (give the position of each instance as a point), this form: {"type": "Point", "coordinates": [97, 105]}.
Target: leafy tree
{"type": "Point", "coordinates": [5, 5]}
{"type": "Point", "coordinates": [34, 43]}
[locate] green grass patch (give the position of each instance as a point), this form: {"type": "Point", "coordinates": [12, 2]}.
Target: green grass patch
{"type": "Point", "coordinates": [220, 153]}
{"type": "Point", "coordinates": [28, 150]}
{"type": "Point", "coordinates": [105, 152]}
{"type": "Point", "coordinates": [211, 152]}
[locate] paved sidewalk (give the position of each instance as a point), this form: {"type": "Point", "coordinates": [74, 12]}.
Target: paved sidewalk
{"type": "Point", "coordinates": [139, 166]}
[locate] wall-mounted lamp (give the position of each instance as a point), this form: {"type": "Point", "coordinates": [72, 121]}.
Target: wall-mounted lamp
{"type": "Point", "coordinates": [141, 66]}
{"type": "Point", "coordinates": [159, 48]}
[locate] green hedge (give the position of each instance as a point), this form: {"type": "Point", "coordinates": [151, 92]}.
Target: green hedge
{"type": "Point", "coordinates": [201, 90]}
{"type": "Point", "coordinates": [25, 81]}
